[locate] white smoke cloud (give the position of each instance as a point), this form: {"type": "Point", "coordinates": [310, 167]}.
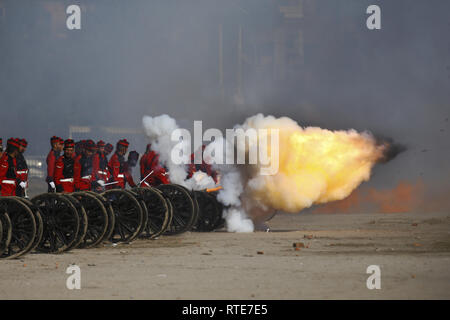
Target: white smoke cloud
{"type": "Point", "coordinates": [315, 166]}
{"type": "Point", "coordinates": [159, 130]}
{"type": "Point", "coordinates": [237, 220]}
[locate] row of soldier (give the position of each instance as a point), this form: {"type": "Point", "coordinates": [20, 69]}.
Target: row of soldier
{"type": "Point", "coordinates": [84, 165]}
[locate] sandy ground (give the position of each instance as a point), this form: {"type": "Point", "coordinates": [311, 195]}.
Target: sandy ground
{"type": "Point", "coordinates": [412, 250]}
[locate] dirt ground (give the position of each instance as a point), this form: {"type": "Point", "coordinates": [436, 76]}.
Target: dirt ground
{"type": "Point", "coordinates": [412, 251]}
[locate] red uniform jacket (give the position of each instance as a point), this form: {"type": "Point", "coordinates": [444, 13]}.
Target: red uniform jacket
{"type": "Point", "coordinates": [51, 161]}
{"type": "Point", "coordinates": [64, 173]}
{"type": "Point", "coordinates": [100, 163]}
{"type": "Point", "coordinates": [116, 170]}
{"type": "Point", "coordinates": [8, 175]}
{"type": "Point", "coordinates": [83, 172]}
{"type": "Point", "coordinates": [150, 162]}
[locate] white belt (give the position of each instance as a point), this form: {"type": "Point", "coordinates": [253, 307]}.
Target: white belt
{"type": "Point", "coordinates": [120, 175]}
{"type": "Point", "coordinates": [86, 177]}
{"type": "Point", "coordinates": [22, 171]}
{"type": "Point", "coordinates": [67, 180]}
{"type": "Point", "coordinates": [9, 181]}
{"type": "Point", "coordinates": [102, 172]}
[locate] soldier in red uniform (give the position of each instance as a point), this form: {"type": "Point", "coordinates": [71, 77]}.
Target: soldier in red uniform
{"type": "Point", "coordinates": [57, 145]}
{"type": "Point", "coordinates": [84, 171]}
{"type": "Point", "coordinates": [22, 169]}
{"type": "Point", "coordinates": [116, 164]}
{"type": "Point", "coordinates": [65, 168]}
{"type": "Point", "coordinates": [206, 168]}
{"type": "Point", "coordinates": [100, 163]}
{"type": "Point", "coordinates": [8, 174]}
{"type": "Point", "coordinates": [150, 162]}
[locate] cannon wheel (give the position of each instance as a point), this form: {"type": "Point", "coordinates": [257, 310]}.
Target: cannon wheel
{"type": "Point", "coordinates": [6, 231]}
{"type": "Point", "coordinates": [110, 212]}
{"type": "Point", "coordinates": [39, 223]}
{"type": "Point", "coordinates": [97, 219]}
{"type": "Point", "coordinates": [184, 209]}
{"type": "Point", "coordinates": [61, 222]}
{"type": "Point", "coordinates": [158, 212]}
{"type": "Point", "coordinates": [83, 220]}
{"type": "Point", "coordinates": [208, 212]}
{"type": "Point", "coordinates": [128, 215]}
{"type": "Point", "coordinates": [23, 227]}
{"type": "Point", "coordinates": [144, 209]}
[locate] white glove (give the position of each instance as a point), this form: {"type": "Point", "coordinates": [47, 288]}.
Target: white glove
{"type": "Point", "coordinates": [52, 184]}
{"type": "Point", "coordinates": [23, 184]}
{"type": "Point", "coordinates": [101, 183]}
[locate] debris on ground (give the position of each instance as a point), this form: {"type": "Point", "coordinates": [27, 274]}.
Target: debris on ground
{"type": "Point", "coordinates": [298, 245]}
{"type": "Point", "coordinates": [260, 252]}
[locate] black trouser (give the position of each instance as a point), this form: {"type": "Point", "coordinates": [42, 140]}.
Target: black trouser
{"type": "Point", "coordinates": [20, 192]}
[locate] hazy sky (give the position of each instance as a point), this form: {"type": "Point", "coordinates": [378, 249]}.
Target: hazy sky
{"type": "Point", "coordinates": [138, 57]}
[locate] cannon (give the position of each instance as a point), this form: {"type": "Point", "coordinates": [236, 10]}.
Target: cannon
{"type": "Point", "coordinates": [59, 222]}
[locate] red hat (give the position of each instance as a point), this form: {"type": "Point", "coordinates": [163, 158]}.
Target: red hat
{"type": "Point", "coordinates": [109, 147]}
{"type": "Point", "coordinates": [101, 144]}
{"type": "Point", "coordinates": [23, 142]}
{"type": "Point", "coordinates": [90, 145]}
{"type": "Point", "coordinates": [69, 143]}
{"type": "Point", "coordinates": [123, 142]}
{"type": "Point", "coordinates": [13, 142]}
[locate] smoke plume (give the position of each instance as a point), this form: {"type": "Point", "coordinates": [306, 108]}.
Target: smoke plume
{"type": "Point", "coordinates": [315, 166]}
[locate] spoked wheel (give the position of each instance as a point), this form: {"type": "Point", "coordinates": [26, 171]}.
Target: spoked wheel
{"type": "Point", "coordinates": [144, 210]}
{"type": "Point", "coordinates": [5, 239]}
{"type": "Point", "coordinates": [128, 215]}
{"type": "Point", "coordinates": [184, 208]}
{"type": "Point", "coordinates": [39, 223]}
{"type": "Point", "coordinates": [23, 227]}
{"type": "Point", "coordinates": [208, 212]}
{"type": "Point", "coordinates": [158, 212]}
{"type": "Point", "coordinates": [61, 222]}
{"type": "Point", "coordinates": [109, 211]}
{"type": "Point", "coordinates": [97, 219]}
{"type": "Point", "coordinates": [83, 220]}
